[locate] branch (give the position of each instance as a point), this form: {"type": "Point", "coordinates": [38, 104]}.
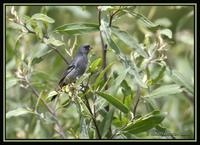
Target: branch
{"type": "Point", "coordinates": [51, 46]}
{"type": "Point", "coordinates": [93, 117]}
{"type": "Point", "coordinates": [60, 131]}
{"type": "Point", "coordinates": [136, 100]}
{"type": "Point", "coordinates": [111, 17]}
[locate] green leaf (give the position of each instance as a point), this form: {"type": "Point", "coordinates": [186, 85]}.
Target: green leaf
{"type": "Point", "coordinates": [42, 17]}
{"type": "Point", "coordinates": [160, 75]}
{"type": "Point", "coordinates": [179, 79]}
{"type": "Point", "coordinates": [115, 102]}
{"type": "Point", "coordinates": [17, 112]}
{"type": "Point", "coordinates": [36, 60]}
{"type": "Point", "coordinates": [100, 76]}
{"type": "Point", "coordinates": [93, 67]}
{"type": "Point", "coordinates": [107, 36]}
{"type": "Point", "coordinates": [77, 29]}
{"type": "Point", "coordinates": [50, 95]}
{"type": "Point", "coordinates": [83, 128]}
{"type": "Point", "coordinates": [54, 42]}
{"type": "Point", "coordinates": [166, 32]}
{"type": "Point", "coordinates": [10, 82]}
{"type": "Point", "coordinates": [118, 81]}
{"type": "Point", "coordinates": [137, 78]}
{"type": "Point", "coordinates": [145, 20]}
{"type": "Point", "coordinates": [145, 123]}
{"type": "Point", "coordinates": [128, 40]}
{"type": "Point", "coordinates": [106, 123]}
{"type": "Point", "coordinates": [165, 90]}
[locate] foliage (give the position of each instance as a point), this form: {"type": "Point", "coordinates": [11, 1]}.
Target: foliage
{"type": "Point", "coordinates": [145, 90]}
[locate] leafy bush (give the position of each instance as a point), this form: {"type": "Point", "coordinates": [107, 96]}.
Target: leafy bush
{"type": "Point", "coordinates": [138, 84]}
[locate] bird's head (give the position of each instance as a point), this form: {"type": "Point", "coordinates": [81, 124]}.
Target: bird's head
{"type": "Point", "coordinates": [84, 49]}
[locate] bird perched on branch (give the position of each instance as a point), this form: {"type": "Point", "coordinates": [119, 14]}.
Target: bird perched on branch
{"type": "Point", "coordinates": [76, 67]}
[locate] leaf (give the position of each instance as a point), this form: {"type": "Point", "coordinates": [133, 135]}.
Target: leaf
{"type": "Point", "coordinates": [42, 17]}
{"type": "Point", "coordinates": [165, 22]}
{"type": "Point", "coordinates": [50, 95]}
{"type": "Point", "coordinates": [179, 79]}
{"type": "Point", "coordinates": [160, 74]}
{"type": "Point", "coordinates": [94, 65]}
{"type": "Point", "coordinates": [137, 78]}
{"type": "Point", "coordinates": [17, 112]}
{"type": "Point", "coordinates": [100, 76]}
{"type": "Point", "coordinates": [36, 60]}
{"type": "Point", "coordinates": [145, 123]}
{"type": "Point", "coordinates": [83, 128]}
{"type": "Point", "coordinates": [146, 21]}
{"type": "Point", "coordinates": [165, 91]}
{"type": "Point", "coordinates": [106, 123]}
{"type": "Point", "coordinates": [128, 40]}
{"type": "Point", "coordinates": [77, 29]}
{"type": "Point", "coordinates": [118, 81]}
{"type": "Point", "coordinates": [115, 102]}
{"type": "Point", "coordinates": [105, 8]}
{"type": "Point", "coordinates": [105, 29]}
{"type": "Point", "coordinates": [166, 32]}
{"type": "Point", "coordinates": [10, 82]}
{"type": "Point", "coordinates": [54, 42]}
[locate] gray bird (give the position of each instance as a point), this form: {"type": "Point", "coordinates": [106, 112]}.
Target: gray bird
{"type": "Point", "coordinates": [75, 69]}
{"type": "Point", "coordinates": [77, 66]}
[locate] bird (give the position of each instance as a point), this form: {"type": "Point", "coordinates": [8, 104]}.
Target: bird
{"type": "Point", "coordinates": [75, 69]}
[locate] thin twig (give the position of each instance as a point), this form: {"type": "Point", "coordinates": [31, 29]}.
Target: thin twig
{"type": "Point", "coordinates": [92, 116]}
{"type": "Point", "coordinates": [61, 132]}
{"type": "Point", "coordinates": [51, 46]}
{"type": "Point", "coordinates": [57, 51]}
{"type": "Point", "coordinates": [111, 17]}
{"type": "Point", "coordinates": [136, 100]}
{"type": "Point", "coordinates": [189, 97]}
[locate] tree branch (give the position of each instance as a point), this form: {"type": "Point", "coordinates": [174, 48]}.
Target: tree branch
{"type": "Point", "coordinates": [51, 46]}
{"type": "Point", "coordinates": [60, 131]}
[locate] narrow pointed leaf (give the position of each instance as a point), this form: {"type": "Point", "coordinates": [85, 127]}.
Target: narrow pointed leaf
{"type": "Point", "coordinates": [179, 79]}
{"type": "Point", "coordinates": [99, 78]}
{"type": "Point", "coordinates": [145, 20]}
{"type": "Point", "coordinates": [137, 78]}
{"type": "Point", "coordinates": [42, 17]}
{"type": "Point", "coordinates": [145, 123]}
{"type": "Point", "coordinates": [114, 101]}
{"type": "Point", "coordinates": [17, 112]}
{"type": "Point", "coordinates": [77, 28]}
{"type": "Point", "coordinates": [128, 40]}
{"type": "Point", "coordinates": [95, 64]}
{"type": "Point", "coordinates": [165, 91]}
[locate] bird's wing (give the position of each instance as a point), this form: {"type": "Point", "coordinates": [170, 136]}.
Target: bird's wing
{"type": "Point", "coordinates": [66, 72]}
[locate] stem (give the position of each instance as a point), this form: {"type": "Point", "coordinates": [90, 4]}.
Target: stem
{"type": "Point", "coordinates": [136, 100]}
{"type": "Point", "coordinates": [92, 115]}
{"type": "Point", "coordinates": [60, 131]}
{"type": "Point", "coordinates": [111, 17]}
{"type": "Point", "coordinates": [57, 51]}
{"type": "Point", "coordinates": [104, 52]}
